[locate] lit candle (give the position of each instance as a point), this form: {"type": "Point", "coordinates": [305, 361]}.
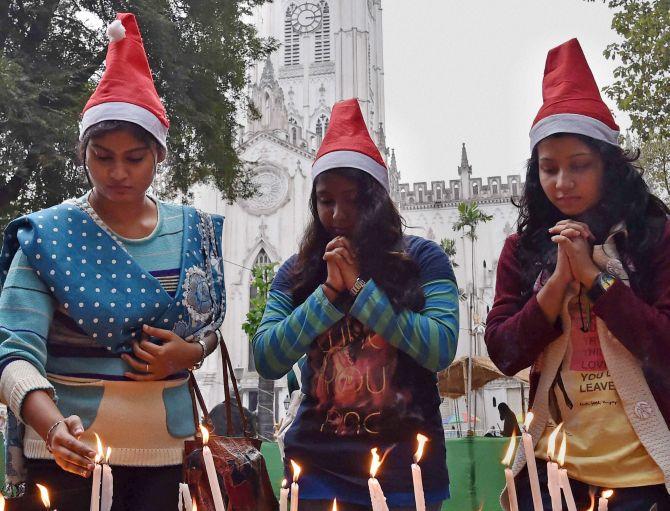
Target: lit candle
{"type": "Point", "coordinates": [283, 496]}
{"type": "Point", "coordinates": [376, 494]}
{"type": "Point", "coordinates": [530, 463]}
{"type": "Point", "coordinates": [419, 497]}
{"type": "Point", "coordinates": [563, 479]}
{"type": "Point", "coordinates": [602, 501]}
{"type": "Point", "coordinates": [334, 505]}
{"type": "Point", "coordinates": [552, 472]}
{"type": "Point", "coordinates": [185, 501]}
{"type": "Point", "coordinates": [509, 476]}
{"type": "Point", "coordinates": [211, 471]}
{"type": "Point", "coordinates": [102, 491]}
{"type": "Point", "coordinates": [44, 493]}
{"type": "Point", "coordinates": [295, 489]}
{"type": "Point", "coordinates": [2, 502]}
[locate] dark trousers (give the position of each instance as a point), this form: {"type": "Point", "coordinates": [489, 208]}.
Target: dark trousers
{"type": "Point", "coordinates": [641, 498]}
{"type": "Point", "coordinates": [135, 489]}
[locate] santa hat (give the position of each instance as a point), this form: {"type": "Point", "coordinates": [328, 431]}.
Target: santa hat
{"type": "Point", "coordinates": [572, 101]}
{"type": "Point", "coordinates": [347, 144]}
{"type": "Point", "coordinates": [126, 91]}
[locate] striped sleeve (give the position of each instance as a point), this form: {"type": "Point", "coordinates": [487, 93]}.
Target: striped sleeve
{"type": "Point", "coordinates": [429, 336]}
{"type": "Point", "coordinates": [285, 332]}
{"type": "Point", "coordinates": [26, 311]}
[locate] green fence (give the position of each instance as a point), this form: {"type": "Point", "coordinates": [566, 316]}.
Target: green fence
{"type": "Point", "coordinates": [476, 475]}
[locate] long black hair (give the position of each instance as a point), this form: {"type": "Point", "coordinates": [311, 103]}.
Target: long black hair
{"type": "Point", "coordinates": [377, 240]}
{"type": "Point", "coordinates": [626, 197]}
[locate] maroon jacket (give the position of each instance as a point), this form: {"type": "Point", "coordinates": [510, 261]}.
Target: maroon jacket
{"type": "Point", "coordinates": [517, 330]}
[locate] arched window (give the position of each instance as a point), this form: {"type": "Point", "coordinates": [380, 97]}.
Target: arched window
{"type": "Point", "coordinates": [322, 35]}
{"type": "Point", "coordinates": [456, 194]}
{"type": "Point", "coordinates": [321, 126]}
{"type": "Point", "coordinates": [438, 194]}
{"type": "Point", "coordinates": [291, 40]}
{"type": "Point", "coordinates": [475, 189]}
{"type": "Point", "coordinates": [268, 106]}
{"type": "Point", "coordinates": [495, 188]}
{"type": "Point", "coordinates": [515, 188]}
{"type": "Point", "coordinates": [294, 130]}
{"type": "Point", "coordinates": [261, 258]}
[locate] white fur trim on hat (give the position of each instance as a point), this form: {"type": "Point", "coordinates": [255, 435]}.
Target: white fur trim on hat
{"type": "Point", "coordinates": [116, 31]}
{"type": "Point", "coordinates": [572, 123]}
{"type": "Point", "coordinates": [118, 111]}
{"type": "Point", "coordinates": [351, 159]}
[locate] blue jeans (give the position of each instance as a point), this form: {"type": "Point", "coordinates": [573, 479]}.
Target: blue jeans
{"type": "Point", "coordinates": [624, 499]}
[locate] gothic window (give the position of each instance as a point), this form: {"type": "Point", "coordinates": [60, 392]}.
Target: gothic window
{"type": "Point", "coordinates": [291, 40]}
{"type": "Point", "coordinates": [268, 105]}
{"type": "Point", "coordinates": [456, 194]}
{"type": "Point", "coordinates": [420, 195]}
{"type": "Point", "coordinates": [438, 194]}
{"type": "Point", "coordinates": [321, 126]}
{"type": "Point", "coordinates": [261, 258]}
{"type": "Point", "coordinates": [294, 130]}
{"type": "Point", "coordinates": [515, 189]}
{"type": "Point", "coordinates": [322, 35]}
{"type": "Point", "coordinates": [495, 188]}
{"type": "Point", "coordinates": [403, 196]}
{"type": "Point", "coordinates": [475, 189]}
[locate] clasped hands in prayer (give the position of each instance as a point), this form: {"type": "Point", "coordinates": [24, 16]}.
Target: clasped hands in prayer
{"type": "Point", "coordinates": [341, 265]}
{"type": "Point", "coordinates": [574, 263]}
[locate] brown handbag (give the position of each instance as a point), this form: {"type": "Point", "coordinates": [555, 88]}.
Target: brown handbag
{"type": "Point", "coordinates": [240, 466]}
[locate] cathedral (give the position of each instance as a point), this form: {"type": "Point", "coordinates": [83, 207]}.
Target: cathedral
{"type": "Point", "coordinates": [332, 50]}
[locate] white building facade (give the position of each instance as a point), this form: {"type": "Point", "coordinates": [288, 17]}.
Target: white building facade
{"type": "Point", "coordinates": [331, 50]}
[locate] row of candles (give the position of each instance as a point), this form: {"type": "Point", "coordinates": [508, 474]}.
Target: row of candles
{"type": "Point", "coordinates": [557, 476]}
{"type": "Point", "coordinates": [377, 497]}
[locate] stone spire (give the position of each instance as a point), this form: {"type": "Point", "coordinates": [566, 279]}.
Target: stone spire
{"type": "Point", "coordinates": [268, 76]}
{"type": "Point", "coordinates": [465, 165]}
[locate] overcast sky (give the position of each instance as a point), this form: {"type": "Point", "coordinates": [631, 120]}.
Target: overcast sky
{"type": "Point", "coordinates": [471, 71]}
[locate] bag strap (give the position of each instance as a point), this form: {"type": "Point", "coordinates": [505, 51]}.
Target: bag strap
{"type": "Point", "coordinates": [228, 378]}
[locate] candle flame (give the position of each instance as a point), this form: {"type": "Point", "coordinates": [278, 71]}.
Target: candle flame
{"type": "Point", "coordinates": [607, 494]}
{"type": "Point", "coordinates": [510, 450]}
{"type": "Point", "coordinates": [296, 470]}
{"type": "Point", "coordinates": [194, 506]}
{"type": "Point", "coordinates": [44, 493]}
{"type": "Point", "coordinates": [101, 453]}
{"type": "Point", "coordinates": [334, 505]}
{"type": "Point", "coordinates": [593, 501]}
{"type": "Point", "coordinates": [375, 463]}
{"type": "Point", "coordinates": [283, 483]}
{"type": "Point", "coordinates": [529, 419]}
{"type": "Point", "coordinates": [205, 434]}
{"type": "Point", "coordinates": [108, 455]}
{"type": "Point", "coordinates": [561, 450]}
{"type": "Point", "coordinates": [419, 451]}
{"type": "Point", "coordinates": [551, 447]}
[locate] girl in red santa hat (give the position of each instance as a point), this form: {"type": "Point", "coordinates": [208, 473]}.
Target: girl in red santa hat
{"type": "Point", "coordinates": [96, 334]}
{"type": "Point", "coordinates": [374, 312]}
{"type": "Point", "coordinates": [583, 298]}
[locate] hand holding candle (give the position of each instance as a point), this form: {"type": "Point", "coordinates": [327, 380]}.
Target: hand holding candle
{"type": "Point", "coordinates": [295, 489]}
{"type": "Point", "coordinates": [509, 476]}
{"type": "Point", "coordinates": [530, 463]}
{"type": "Point", "coordinates": [419, 497]}
{"type": "Point", "coordinates": [211, 471]}
{"type": "Point", "coordinates": [563, 479]}
{"type": "Point", "coordinates": [552, 472]}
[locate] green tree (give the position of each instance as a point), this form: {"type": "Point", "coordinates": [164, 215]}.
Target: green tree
{"type": "Point", "coordinates": [469, 217]}
{"type": "Point", "coordinates": [655, 160]}
{"type": "Point", "coordinates": [262, 277]}
{"type": "Point", "coordinates": [51, 55]}
{"type": "Point", "coordinates": [449, 247]}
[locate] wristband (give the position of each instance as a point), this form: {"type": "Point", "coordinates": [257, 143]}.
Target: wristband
{"type": "Point", "coordinates": [51, 430]}
{"type": "Point", "coordinates": [204, 354]}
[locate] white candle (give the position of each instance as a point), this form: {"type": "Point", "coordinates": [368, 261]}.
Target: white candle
{"type": "Point", "coordinates": [531, 465]}
{"type": "Point", "coordinates": [283, 497]}
{"type": "Point", "coordinates": [419, 497]}
{"type": "Point", "coordinates": [95, 490]}
{"type": "Point", "coordinates": [107, 488]}
{"type": "Point", "coordinates": [509, 476]}
{"type": "Point", "coordinates": [376, 494]}
{"type": "Point", "coordinates": [211, 472]}
{"type": "Point", "coordinates": [567, 490]}
{"type": "Point", "coordinates": [295, 489]}
{"type": "Point", "coordinates": [185, 503]}
{"type": "Point", "coordinates": [552, 472]}
{"type": "Point", "coordinates": [602, 501]}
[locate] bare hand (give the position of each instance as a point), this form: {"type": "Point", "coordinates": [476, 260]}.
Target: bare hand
{"type": "Point", "coordinates": [340, 252]}
{"type": "Point", "coordinates": [153, 362]}
{"type": "Point", "coordinates": [69, 453]}
{"type": "Point", "coordinates": [579, 253]}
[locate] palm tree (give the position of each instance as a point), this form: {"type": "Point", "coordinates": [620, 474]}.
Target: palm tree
{"type": "Point", "coordinates": [469, 216]}
{"type": "Point", "coordinates": [449, 247]}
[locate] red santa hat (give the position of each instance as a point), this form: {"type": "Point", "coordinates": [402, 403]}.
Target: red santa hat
{"type": "Point", "coordinates": [347, 144]}
{"type": "Point", "coordinates": [126, 91]}
{"type": "Point", "coordinates": [572, 101]}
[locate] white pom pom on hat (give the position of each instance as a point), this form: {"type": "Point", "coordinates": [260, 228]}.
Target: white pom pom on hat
{"type": "Point", "coordinates": [116, 31]}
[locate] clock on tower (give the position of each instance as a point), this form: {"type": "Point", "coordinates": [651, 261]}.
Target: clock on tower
{"type": "Point", "coordinates": [306, 17]}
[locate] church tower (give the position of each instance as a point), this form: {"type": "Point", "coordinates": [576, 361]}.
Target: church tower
{"type": "Point", "coordinates": [330, 50]}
